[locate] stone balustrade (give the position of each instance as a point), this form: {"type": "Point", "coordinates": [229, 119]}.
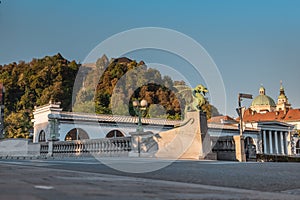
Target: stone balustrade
{"type": "Point", "coordinates": [225, 143]}
{"type": "Point", "coordinates": [44, 148]}
{"type": "Point", "coordinates": [224, 148]}
{"type": "Point", "coordinates": [91, 147]}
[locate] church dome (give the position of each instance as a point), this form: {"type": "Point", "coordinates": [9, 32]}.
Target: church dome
{"type": "Point", "coordinates": [263, 99]}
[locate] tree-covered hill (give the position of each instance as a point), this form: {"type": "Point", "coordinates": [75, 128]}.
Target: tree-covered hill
{"type": "Point", "coordinates": [34, 84]}
{"type": "Point", "coordinates": [111, 86]}
{"type": "Point", "coordinates": [123, 80]}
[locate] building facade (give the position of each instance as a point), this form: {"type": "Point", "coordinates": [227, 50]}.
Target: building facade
{"type": "Point", "coordinates": [267, 137]}
{"type": "Point", "coordinates": [279, 123]}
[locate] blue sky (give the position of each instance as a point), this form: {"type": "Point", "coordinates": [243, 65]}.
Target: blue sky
{"type": "Point", "coordinates": [251, 42]}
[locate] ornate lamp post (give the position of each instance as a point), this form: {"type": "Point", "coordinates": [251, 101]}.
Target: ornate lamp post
{"type": "Point", "coordinates": [139, 108]}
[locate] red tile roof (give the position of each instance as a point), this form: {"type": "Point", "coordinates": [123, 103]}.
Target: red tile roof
{"type": "Point", "coordinates": [221, 119]}
{"type": "Point", "coordinates": [293, 115]}
{"type": "Point", "coordinates": [290, 115]}
{"type": "Point", "coordinates": [226, 123]}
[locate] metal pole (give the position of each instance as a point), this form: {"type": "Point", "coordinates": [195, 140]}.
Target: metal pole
{"type": "Point", "coordinates": [240, 110]}
{"type": "Point", "coordinates": [140, 128]}
{"type": "Point", "coordinates": [241, 116]}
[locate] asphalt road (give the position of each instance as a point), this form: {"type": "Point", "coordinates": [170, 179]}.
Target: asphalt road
{"type": "Point", "coordinates": [90, 179]}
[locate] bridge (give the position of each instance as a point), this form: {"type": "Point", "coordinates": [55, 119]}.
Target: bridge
{"type": "Point", "coordinates": [51, 122]}
{"type": "Point", "coordinates": [82, 133]}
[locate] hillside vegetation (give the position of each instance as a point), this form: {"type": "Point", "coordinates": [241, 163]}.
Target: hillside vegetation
{"type": "Point", "coordinates": [34, 84]}
{"type": "Point", "coordinates": [109, 87]}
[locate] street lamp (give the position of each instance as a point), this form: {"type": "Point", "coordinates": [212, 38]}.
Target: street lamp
{"type": "Point", "coordinates": [240, 150]}
{"type": "Point", "coordinates": [240, 109]}
{"type": "Point", "coordinates": [139, 108]}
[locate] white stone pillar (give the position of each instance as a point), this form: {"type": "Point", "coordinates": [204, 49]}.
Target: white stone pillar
{"type": "Point", "coordinates": [276, 142]}
{"type": "Point", "coordinates": [270, 142]}
{"type": "Point", "coordinates": [281, 143]}
{"type": "Point", "coordinates": [285, 143]}
{"type": "Point", "coordinates": [265, 141]}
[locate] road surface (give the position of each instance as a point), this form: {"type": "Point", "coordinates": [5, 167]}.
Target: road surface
{"type": "Point", "coordinates": [88, 178]}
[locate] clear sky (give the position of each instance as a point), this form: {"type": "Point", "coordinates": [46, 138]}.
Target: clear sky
{"type": "Point", "coordinates": [252, 42]}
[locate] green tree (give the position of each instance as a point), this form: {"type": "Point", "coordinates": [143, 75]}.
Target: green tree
{"type": "Point", "coordinates": [34, 84]}
{"type": "Point", "coordinates": [18, 125]}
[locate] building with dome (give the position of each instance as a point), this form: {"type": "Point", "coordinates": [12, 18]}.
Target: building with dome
{"type": "Point", "coordinates": [264, 108]}
{"type": "Point", "coordinates": [279, 122]}
{"type": "Point", "coordinates": [269, 126]}
{"type": "Point", "coordinates": [263, 103]}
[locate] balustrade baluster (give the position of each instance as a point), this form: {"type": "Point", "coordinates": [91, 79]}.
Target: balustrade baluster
{"type": "Point", "coordinates": [96, 147]}
{"type": "Point", "coordinates": [108, 146]}
{"type": "Point", "coordinates": [101, 147]}
{"type": "Point", "coordinates": [121, 145]}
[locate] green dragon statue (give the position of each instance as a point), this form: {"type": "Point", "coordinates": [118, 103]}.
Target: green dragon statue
{"type": "Point", "coordinates": [197, 100]}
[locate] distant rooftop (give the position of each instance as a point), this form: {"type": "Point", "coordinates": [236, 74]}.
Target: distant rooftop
{"type": "Point", "coordinates": [282, 116]}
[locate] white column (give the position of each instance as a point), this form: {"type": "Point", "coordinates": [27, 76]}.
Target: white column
{"type": "Point", "coordinates": [285, 143]}
{"type": "Point", "coordinates": [265, 141]}
{"type": "Point", "coordinates": [276, 142]}
{"type": "Point", "coordinates": [281, 143]}
{"type": "Point", "coordinates": [270, 142]}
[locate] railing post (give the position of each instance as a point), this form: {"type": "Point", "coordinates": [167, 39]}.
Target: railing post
{"type": "Point", "coordinates": [50, 147]}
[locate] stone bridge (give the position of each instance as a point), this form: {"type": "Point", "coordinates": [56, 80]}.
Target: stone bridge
{"type": "Point", "coordinates": [51, 122]}
{"type": "Point", "coordinates": [167, 136]}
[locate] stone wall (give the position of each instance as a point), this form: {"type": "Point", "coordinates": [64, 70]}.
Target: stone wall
{"type": "Point", "coordinates": [18, 147]}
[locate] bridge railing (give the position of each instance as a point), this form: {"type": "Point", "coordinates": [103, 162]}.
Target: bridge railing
{"type": "Point", "coordinates": [44, 146]}
{"type": "Point", "coordinates": [224, 148]}
{"type": "Point", "coordinates": [225, 143]}
{"type": "Point", "coordinates": [91, 147]}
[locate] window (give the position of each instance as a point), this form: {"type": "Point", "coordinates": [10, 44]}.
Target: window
{"type": "Point", "coordinates": [76, 134]}
{"type": "Point", "coordinates": [298, 147]}
{"type": "Point", "coordinates": [42, 136]}
{"type": "Point", "coordinates": [114, 134]}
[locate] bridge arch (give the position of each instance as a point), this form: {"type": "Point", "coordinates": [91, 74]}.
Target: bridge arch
{"type": "Point", "coordinates": [249, 141]}
{"type": "Point", "coordinates": [250, 148]}
{"type": "Point", "coordinates": [115, 133]}
{"type": "Point", "coordinates": [76, 134]}
{"type": "Point", "coordinates": [42, 136]}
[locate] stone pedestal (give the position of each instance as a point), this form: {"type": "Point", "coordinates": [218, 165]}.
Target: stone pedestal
{"type": "Point", "coordinates": [239, 148]}
{"type": "Point", "coordinates": [138, 146]}
{"type": "Point", "coordinates": [189, 140]}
